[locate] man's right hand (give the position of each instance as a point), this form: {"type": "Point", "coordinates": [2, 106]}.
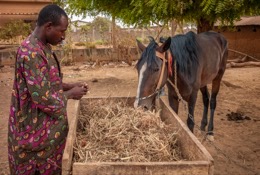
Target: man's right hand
{"type": "Point", "coordinates": [76, 92]}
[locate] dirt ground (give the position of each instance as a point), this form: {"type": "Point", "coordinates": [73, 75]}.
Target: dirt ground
{"type": "Point", "coordinates": [237, 138]}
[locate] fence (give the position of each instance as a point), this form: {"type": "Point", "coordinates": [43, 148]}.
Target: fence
{"type": "Point", "coordinates": [7, 57]}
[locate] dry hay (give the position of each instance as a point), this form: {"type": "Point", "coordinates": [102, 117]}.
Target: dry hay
{"type": "Point", "coordinates": [110, 131]}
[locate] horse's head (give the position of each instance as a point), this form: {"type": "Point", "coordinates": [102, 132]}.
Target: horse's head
{"type": "Point", "coordinates": [152, 72]}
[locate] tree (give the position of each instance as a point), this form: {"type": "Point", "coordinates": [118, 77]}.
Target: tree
{"type": "Point", "coordinates": [99, 24]}
{"type": "Point", "coordinates": [94, 7]}
{"type": "Point", "coordinates": [204, 12]}
{"type": "Point", "coordinates": [14, 30]}
{"type": "Point", "coordinates": [144, 12]}
{"type": "Point", "coordinates": [227, 11]}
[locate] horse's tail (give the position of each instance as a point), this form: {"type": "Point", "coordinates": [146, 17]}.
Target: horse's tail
{"type": "Point", "coordinates": [224, 49]}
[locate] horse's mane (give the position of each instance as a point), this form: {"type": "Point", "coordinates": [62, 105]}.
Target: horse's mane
{"type": "Point", "coordinates": [149, 56]}
{"type": "Point", "coordinates": [184, 49]}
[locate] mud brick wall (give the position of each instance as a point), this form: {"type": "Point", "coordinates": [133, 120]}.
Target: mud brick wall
{"type": "Point", "coordinates": [245, 39]}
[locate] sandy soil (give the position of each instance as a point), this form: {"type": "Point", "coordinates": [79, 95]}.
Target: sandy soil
{"type": "Point", "coordinates": [237, 142]}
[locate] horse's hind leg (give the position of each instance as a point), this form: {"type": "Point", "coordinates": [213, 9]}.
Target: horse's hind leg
{"type": "Point", "coordinates": [205, 98]}
{"type": "Point", "coordinates": [213, 99]}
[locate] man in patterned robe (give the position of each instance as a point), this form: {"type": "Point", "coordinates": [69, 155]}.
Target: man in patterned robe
{"type": "Point", "coordinates": [38, 124]}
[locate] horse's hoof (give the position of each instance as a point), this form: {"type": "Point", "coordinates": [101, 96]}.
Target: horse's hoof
{"type": "Point", "coordinates": [203, 133]}
{"type": "Point", "coordinates": [210, 137]}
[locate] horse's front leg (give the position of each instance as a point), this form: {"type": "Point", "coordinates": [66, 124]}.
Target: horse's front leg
{"type": "Point", "coordinates": [173, 100]}
{"type": "Point", "coordinates": [174, 103]}
{"type": "Point", "coordinates": [191, 105]}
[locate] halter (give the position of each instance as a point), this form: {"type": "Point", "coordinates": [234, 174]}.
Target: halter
{"type": "Point", "coordinates": [158, 89]}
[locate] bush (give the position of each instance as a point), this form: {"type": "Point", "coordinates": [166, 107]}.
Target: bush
{"type": "Point", "coordinates": [80, 44]}
{"type": "Point", "coordinates": [15, 28]}
{"type": "Point", "coordinates": [90, 45]}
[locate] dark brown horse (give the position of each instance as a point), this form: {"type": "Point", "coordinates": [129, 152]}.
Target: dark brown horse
{"type": "Point", "coordinates": [200, 60]}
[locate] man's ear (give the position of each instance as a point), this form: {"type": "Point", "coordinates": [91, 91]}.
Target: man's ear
{"type": "Point", "coordinates": [165, 46]}
{"type": "Point", "coordinates": [140, 45]}
{"type": "Point", "coordinates": [47, 25]}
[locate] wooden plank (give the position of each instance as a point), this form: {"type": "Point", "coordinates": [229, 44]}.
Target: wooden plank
{"type": "Point", "coordinates": [191, 148]}
{"type": "Point", "coordinates": [200, 161]}
{"type": "Point", "coordinates": [72, 111]}
{"type": "Point", "coordinates": [148, 168]}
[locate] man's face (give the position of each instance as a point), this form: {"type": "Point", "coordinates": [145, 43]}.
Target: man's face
{"type": "Point", "coordinates": [56, 34]}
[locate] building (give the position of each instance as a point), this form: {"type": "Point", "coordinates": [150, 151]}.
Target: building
{"type": "Point", "coordinates": [26, 10]}
{"type": "Point", "coordinates": [243, 37]}
{"type": "Point", "coordinates": [12, 10]}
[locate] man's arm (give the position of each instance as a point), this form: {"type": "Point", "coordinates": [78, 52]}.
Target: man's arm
{"type": "Point", "coordinates": [47, 98]}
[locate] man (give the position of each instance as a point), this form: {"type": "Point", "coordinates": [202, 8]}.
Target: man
{"type": "Point", "coordinates": [38, 123]}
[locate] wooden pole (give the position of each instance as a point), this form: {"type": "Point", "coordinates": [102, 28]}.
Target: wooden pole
{"type": "Point", "coordinates": [113, 32]}
{"type": "Point", "coordinates": [243, 54]}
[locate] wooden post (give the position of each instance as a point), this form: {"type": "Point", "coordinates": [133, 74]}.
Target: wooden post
{"type": "Point", "coordinates": [113, 32]}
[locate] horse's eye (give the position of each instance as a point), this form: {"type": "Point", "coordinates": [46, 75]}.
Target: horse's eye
{"type": "Point", "coordinates": [156, 69]}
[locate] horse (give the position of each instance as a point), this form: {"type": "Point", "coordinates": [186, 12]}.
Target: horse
{"type": "Point", "coordinates": [192, 61]}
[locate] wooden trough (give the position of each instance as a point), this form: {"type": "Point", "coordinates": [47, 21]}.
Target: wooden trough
{"type": "Point", "coordinates": [200, 161]}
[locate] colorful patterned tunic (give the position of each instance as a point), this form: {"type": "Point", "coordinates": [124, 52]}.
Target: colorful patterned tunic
{"type": "Point", "coordinates": [38, 123]}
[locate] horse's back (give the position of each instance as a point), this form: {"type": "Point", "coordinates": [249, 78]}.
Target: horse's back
{"type": "Point", "coordinates": [213, 55]}
{"type": "Point", "coordinates": [216, 39]}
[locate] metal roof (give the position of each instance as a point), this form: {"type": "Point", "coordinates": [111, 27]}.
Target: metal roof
{"type": "Point", "coordinates": [245, 21]}
{"type": "Point", "coordinates": [19, 13]}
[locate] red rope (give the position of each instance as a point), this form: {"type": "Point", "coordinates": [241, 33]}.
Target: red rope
{"type": "Point", "coordinates": [169, 64]}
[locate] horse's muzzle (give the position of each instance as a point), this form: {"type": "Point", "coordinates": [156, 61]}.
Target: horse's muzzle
{"type": "Point", "coordinates": [145, 104]}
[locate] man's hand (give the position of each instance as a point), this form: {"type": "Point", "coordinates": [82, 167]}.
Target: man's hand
{"type": "Point", "coordinates": [81, 84]}
{"type": "Point", "coordinates": [67, 87]}
{"type": "Point", "coordinates": [76, 92]}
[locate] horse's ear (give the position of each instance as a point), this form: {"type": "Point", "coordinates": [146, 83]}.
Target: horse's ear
{"type": "Point", "coordinates": [165, 46]}
{"type": "Point", "coordinates": [140, 45]}
{"type": "Point", "coordinates": [162, 39]}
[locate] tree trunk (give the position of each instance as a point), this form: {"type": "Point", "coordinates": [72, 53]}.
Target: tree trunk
{"type": "Point", "coordinates": [113, 32]}
{"type": "Point", "coordinates": [180, 23]}
{"type": "Point", "coordinates": [173, 27]}
{"type": "Point", "coordinates": [204, 25]}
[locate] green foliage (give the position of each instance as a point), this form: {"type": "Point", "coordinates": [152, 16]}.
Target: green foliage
{"type": "Point", "coordinates": [101, 42]}
{"type": "Point", "coordinates": [229, 10]}
{"type": "Point", "coordinates": [80, 44]}
{"type": "Point", "coordinates": [15, 28]}
{"type": "Point", "coordinates": [86, 28]}
{"type": "Point", "coordinates": [101, 24]}
{"type": "Point", "coordinates": [95, 7]}
{"type": "Point", "coordinates": [90, 45]}
{"type": "Point", "coordinates": [148, 12]}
